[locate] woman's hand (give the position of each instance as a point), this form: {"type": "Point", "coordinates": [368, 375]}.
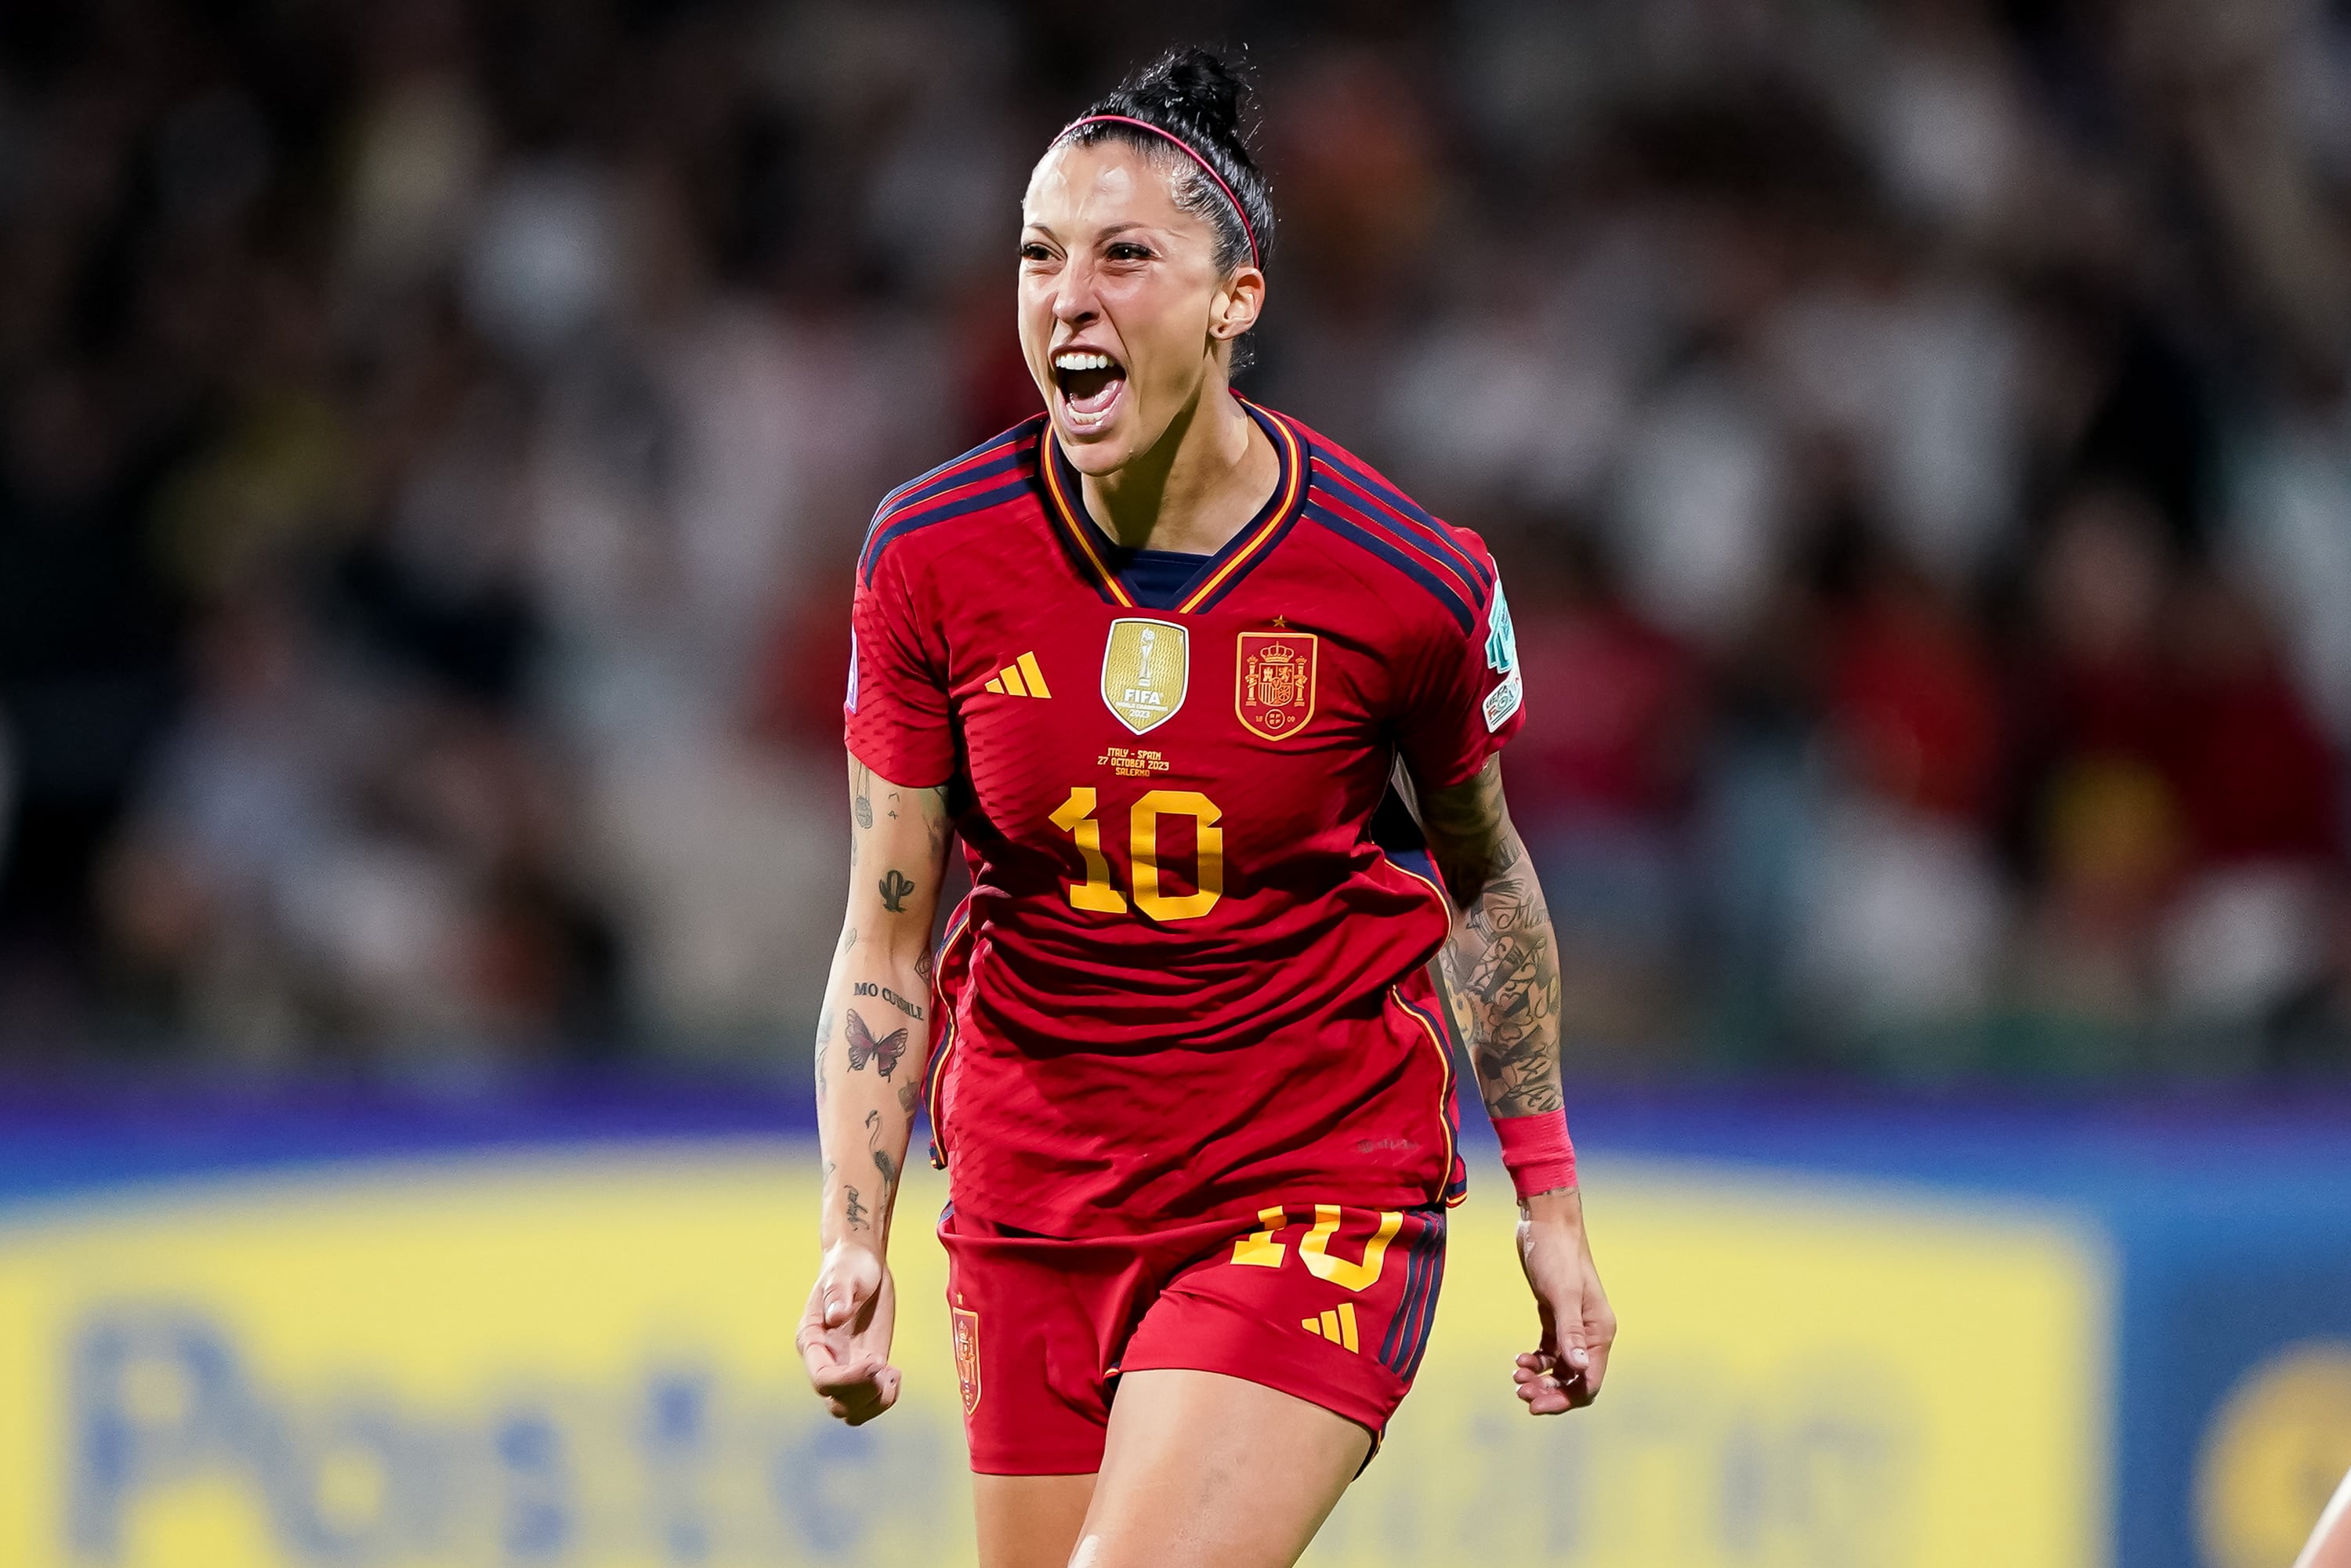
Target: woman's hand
{"type": "Point", "coordinates": [1563, 1373]}
{"type": "Point", "coordinates": [844, 1335]}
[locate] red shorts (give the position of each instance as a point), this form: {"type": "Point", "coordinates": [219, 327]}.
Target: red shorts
{"type": "Point", "coordinates": [1331, 1304]}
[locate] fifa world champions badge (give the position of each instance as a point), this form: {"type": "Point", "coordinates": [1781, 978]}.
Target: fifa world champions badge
{"type": "Point", "coordinates": [967, 1354]}
{"type": "Point", "coordinates": [1274, 681]}
{"type": "Point", "coordinates": [1146, 666]}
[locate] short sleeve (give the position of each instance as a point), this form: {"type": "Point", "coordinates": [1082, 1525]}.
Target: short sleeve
{"type": "Point", "coordinates": [895, 716]}
{"type": "Point", "coordinates": [1466, 698]}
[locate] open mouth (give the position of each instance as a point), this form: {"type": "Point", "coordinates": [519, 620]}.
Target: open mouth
{"type": "Point", "coordinates": [1091, 382]}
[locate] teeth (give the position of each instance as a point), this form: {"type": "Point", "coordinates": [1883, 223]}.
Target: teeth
{"type": "Point", "coordinates": [1083, 361]}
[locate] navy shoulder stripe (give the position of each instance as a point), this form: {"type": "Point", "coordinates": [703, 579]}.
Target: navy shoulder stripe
{"type": "Point", "coordinates": [993, 443]}
{"type": "Point", "coordinates": [914, 519]}
{"type": "Point", "coordinates": [1005, 465]}
{"type": "Point", "coordinates": [1410, 563]}
{"type": "Point", "coordinates": [1411, 525]}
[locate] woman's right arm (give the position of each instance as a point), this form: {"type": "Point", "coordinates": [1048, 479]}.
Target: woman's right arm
{"type": "Point", "coordinates": [873, 1043]}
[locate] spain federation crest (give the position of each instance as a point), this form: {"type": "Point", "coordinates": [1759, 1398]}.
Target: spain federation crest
{"type": "Point", "coordinates": [1146, 664]}
{"type": "Point", "coordinates": [1274, 681]}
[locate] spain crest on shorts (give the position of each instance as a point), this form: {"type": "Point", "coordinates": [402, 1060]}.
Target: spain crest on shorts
{"type": "Point", "coordinates": [1274, 681]}
{"type": "Point", "coordinates": [1146, 664]}
{"type": "Point", "coordinates": [967, 1354]}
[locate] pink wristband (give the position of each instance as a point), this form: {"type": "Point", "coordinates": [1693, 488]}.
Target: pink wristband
{"type": "Point", "coordinates": [1537, 1151]}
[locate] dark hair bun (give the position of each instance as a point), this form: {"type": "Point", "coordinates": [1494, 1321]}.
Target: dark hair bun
{"type": "Point", "coordinates": [1193, 86]}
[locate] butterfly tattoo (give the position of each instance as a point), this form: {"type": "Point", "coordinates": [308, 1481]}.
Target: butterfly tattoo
{"type": "Point", "coordinates": [863, 1048]}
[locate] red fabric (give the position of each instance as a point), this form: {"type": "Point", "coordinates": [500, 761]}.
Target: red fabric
{"type": "Point", "coordinates": [1044, 1326]}
{"type": "Point", "coordinates": [1537, 1151]}
{"type": "Point", "coordinates": [2257, 778]}
{"type": "Point", "coordinates": [1110, 1070]}
{"type": "Point", "coordinates": [1915, 710]}
{"type": "Point", "coordinates": [1620, 704]}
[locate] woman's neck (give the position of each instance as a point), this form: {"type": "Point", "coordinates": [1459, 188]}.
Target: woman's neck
{"type": "Point", "coordinates": [1199, 486]}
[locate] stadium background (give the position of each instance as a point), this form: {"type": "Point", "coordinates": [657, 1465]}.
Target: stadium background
{"type": "Point", "coordinates": [1917, 440]}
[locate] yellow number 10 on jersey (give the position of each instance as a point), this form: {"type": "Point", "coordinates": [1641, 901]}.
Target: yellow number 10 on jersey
{"type": "Point", "coordinates": [1076, 818]}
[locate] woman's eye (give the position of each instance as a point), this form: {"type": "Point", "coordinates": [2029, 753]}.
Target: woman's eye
{"type": "Point", "coordinates": [1129, 253]}
{"type": "Point", "coordinates": [1032, 251]}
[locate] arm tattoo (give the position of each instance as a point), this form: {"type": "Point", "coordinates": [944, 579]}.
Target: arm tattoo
{"type": "Point", "coordinates": [853, 1210]}
{"type": "Point", "coordinates": [1501, 966]}
{"type": "Point", "coordinates": [882, 1161]}
{"type": "Point", "coordinates": [868, 989]}
{"type": "Point", "coordinates": [863, 1048]}
{"type": "Point", "coordinates": [895, 886]}
{"type": "Point", "coordinates": [907, 1095]}
{"type": "Point", "coordinates": [1502, 969]}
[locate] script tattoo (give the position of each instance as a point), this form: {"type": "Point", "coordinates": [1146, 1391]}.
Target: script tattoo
{"type": "Point", "coordinates": [867, 989]}
{"type": "Point", "coordinates": [853, 1210]}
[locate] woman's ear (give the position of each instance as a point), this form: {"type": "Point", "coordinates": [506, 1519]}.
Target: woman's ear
{"type": "Point", "coordinates": [1239, 304]}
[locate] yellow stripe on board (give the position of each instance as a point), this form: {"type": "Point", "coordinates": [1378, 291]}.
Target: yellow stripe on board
{"type": "Point", "coordinates": [1785, 1365]}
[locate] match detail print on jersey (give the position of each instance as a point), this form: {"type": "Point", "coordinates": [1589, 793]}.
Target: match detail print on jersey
{"type": "Point", "coordinates": [1146, 664]}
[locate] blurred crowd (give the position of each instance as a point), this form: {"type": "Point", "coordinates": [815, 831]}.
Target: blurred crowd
{"type": "Point", "coordinates": [1916, 435]}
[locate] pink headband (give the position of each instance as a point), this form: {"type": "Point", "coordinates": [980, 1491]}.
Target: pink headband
{"type": "Point", "coordinates": [1189, 151]}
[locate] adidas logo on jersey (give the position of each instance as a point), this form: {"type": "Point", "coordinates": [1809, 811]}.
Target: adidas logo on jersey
{"type": "Point", "coordinates": [1338, 1327]}
{"type": "Point", "coordinates": [1021, 678]}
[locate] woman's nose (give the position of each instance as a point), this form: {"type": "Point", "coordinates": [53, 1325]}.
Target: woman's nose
{"type": "Point", "coordinates": [1073, 301]}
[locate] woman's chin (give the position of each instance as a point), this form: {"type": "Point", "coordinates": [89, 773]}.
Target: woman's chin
{"type": "Point", "coordinates": [1099, 445]}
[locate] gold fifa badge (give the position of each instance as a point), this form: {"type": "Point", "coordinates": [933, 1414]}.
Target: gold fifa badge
{"type": "Point", "coordinates": [1274, 681]}
{"type": "Point", "coordinates": [1146, 667]}
{"type": "Point", "coordinates": [966, 1354]}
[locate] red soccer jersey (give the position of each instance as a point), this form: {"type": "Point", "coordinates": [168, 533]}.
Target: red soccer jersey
{"type": "Point", "coordinates": [1187, 981]}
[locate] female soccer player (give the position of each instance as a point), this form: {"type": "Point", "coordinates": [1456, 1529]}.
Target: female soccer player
{"type": "Point", "coordinates": [1155, 655]}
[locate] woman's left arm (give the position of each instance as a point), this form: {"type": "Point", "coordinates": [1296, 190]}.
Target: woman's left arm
{"type": "Point", "coordinates": [1501, 973]}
